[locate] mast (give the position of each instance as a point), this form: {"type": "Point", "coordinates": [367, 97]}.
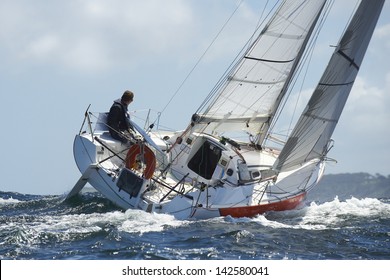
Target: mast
{"type": "Point", "coordinates": [310, 137]}
{"type": "Point", "coordinates": [253, 90]}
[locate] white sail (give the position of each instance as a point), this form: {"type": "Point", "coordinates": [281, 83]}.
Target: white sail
{"type": "Point", "coordinates": [311, 135]}
{"type": "Point", "coordinates": [252, 92]}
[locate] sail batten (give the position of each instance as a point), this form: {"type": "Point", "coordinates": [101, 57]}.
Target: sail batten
{"type": "Point", "coordinates": [350, 59]}
{"type": "Point", "coordinates": [310, 137]}
{"type": "Point", "coordinates": [337, 85]}
{"type": "Point", "coordinates": [317, 117]}
{"type": "Point", "coordinates": [268, 60]}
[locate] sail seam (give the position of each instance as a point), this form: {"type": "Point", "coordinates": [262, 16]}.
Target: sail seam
{"type": "Point", "coordinates": [286, 36]}
{"type": "Point", "coordinates": [246, 81]}
{"type": "Point", "coordinates": [320, 118]}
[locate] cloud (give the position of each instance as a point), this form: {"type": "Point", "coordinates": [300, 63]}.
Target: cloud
{"type": "Point", "coordinates": [363, 131]}
{"type": "Point", "coordinates": [84, 54]}
{"type": "Point", "coordinates": [95, 36]}
{"type": "Point", "coordinates": [362, 135]}
{"type": "Point", "coordinates": [145, 25]}
{"type": "Point", "coordinates": [368, 105]}
{"type": "Point", "coordinates": [382, 31]}
{"type": "Point", "coordinates": [43, 46]}
{"type": "Point", "coordinates": [90, 36]}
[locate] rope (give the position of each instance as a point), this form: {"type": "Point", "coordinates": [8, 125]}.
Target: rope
{"type": "Point", "coordinates": [247, 46]}
{"type": "Point", "coordinates": [305, 61]}
{"type": "Point", "coordinates": [201, 57]}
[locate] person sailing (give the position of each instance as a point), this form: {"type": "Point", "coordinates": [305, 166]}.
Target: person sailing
{"type": "Point", "coordinates": [118, 118]}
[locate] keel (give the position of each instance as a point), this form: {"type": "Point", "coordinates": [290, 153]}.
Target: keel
{"type": "Point", "coordinates": [81, 182]}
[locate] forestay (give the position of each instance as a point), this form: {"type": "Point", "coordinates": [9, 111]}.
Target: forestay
{"type": "Point", "coordinates": [254, 88]}
{"type": "Point", "coordinates": [310, 137]}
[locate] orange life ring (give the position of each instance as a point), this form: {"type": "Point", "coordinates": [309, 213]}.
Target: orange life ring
{"type": "Point", "coordinates": [148, 157]}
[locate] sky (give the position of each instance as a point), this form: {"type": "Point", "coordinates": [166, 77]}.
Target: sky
{"type": "Point", "coordinates": [57, 57]}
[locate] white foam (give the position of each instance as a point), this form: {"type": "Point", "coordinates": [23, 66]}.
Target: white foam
{"type": "Point", "coordinates": [9, 201]}
{"type": "Point", "coordinates": [331, 214]}
{"type": "Point", "coordinates": [313, 217]}
{"type": "Point", "coordinates": [131, 221]}
{"type": "Point", "coordinates": [81, 223]}
{"type": "Point", "coordinates": [140, 221]}
{"type": "Point", "coordinates": [66, 227]}
{"type": "Point", "coordinates": [336, 209]}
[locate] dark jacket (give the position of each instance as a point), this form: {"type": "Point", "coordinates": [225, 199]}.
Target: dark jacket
{"type": "Point", "coordinates": [117, 120]}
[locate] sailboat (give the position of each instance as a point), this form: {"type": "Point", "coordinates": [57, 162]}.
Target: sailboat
{"type": "Point", "coordinates": [208, 170]}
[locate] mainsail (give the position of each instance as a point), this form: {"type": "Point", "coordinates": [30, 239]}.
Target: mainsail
{"type": "Point", "coordinates": [310, 137]}
{"type": "Point", "coordinates": [253, 90]}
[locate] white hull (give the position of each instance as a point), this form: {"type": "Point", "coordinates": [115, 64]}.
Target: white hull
{"type": "Point", "coordinates": [194, 197]}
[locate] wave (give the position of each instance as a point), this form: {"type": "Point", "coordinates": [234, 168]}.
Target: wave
{"type": "Point", "coordinates": [91, 214]}
{"type": "Point", "coordinates": [137, 221]}
{"type": "Point", "coordinates": [7, 198]}
{"type": "Point", "coordinates": [328, 215]}
{"type": "Point", "coordinates": [36, 220]}
{"type": "Point", "coordinates": [90, 226]}
{"type": "Point", "coordinates": [7, 201]}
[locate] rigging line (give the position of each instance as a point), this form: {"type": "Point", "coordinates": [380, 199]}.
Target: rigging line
{"type": "Point", "coordinates": [201, 57]}
{"type": "Point", "coordinates": [306, 60]}
{"type": "Point", "coordinates": [330, 5]}
{"type": "Point", "coordinates": [350, 17]}
{"type": "Point", "coordinates": [234, 70]}
{"type": "Point", "coordinates": [236, 61]}
{"type": "Point", "coordinates": [259, 22]}
{"type": "Point", "coordinates": [309, 58]}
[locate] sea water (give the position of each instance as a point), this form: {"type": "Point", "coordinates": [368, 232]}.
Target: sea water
{"type": "Point", "coordinates": [89, 227]}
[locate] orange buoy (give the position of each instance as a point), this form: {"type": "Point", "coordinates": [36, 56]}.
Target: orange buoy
{"type": "Point", "coordinates": [146, 155]}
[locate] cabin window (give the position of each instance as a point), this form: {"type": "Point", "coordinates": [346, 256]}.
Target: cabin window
{"type": "Point", "coordinates": [205, 160]}
{"type": "Point", "coordinates": [255, 174]}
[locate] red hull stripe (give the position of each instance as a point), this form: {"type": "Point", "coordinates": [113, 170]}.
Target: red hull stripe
{"type": "Point", "coordinates": [251, 211]}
